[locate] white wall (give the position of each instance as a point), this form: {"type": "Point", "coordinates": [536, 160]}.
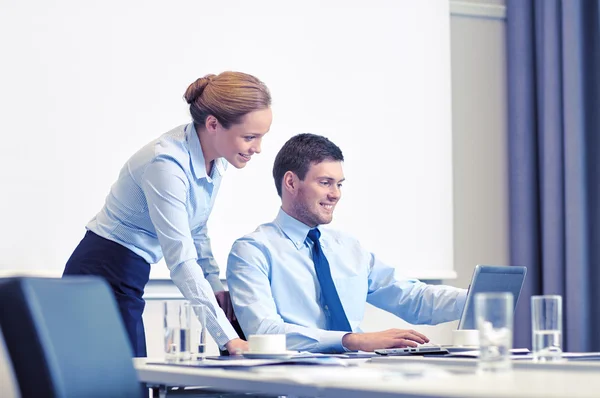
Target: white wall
{"type": "Point", "coordinates": [479, 128]}
{"type": "Point", "coordinates": [86, 85]}
{"type": "Point", "coordinates": [480, 152]}
{"type": "Point", "coordinates": [479, 159]}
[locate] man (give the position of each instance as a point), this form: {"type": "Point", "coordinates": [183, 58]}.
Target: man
{"type": "Point", "coordinates": [296, 277]}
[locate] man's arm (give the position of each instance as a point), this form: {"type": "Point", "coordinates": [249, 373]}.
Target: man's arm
{"type": "Point", "coordinates": [412, 300]}
{"type": "Point", "coordinates": [248, 279]}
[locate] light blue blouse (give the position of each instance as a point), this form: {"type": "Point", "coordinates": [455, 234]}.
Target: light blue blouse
{"type": "Point", "coordinates": [159, 206]}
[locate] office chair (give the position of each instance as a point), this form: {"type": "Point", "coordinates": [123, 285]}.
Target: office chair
{"type": "Point", "coordinates": [8, 381]}
{"type": "Point", "coordinates": [66, 339]}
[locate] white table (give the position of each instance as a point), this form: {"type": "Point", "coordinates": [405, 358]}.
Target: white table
{"type": "Point", "coordinates": [471, 363]}
{"type": "Point", "coordinates": [379, 380]}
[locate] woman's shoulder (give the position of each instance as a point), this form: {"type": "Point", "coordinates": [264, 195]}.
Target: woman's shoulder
{"type": "Point", "coordinates": [171, 149]}
{"type": "Point", "coordinates": [172, 143]}
{"type": "Point", "coordinates": [168, 148]}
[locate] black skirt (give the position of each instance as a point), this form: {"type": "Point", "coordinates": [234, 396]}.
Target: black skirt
{"type": "Point", "coordinates": [126, 272]}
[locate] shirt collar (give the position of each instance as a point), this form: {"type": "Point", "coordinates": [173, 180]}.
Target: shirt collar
{"type": "Point", "coordinates": [295, 230]}
{"type": "Point", "coordinates": [197, 157]}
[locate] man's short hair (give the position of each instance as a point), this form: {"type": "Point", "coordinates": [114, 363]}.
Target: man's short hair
{"type": "Point", "coordinates": [299, 152]}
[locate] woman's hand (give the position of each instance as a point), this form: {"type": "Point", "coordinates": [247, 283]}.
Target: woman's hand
{"type": "Point", "coordinates": [236, 346]}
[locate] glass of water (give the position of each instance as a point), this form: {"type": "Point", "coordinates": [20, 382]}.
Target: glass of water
{"type": "Point", "coordinates": [494, 319]}
{"type": "Point", "coordinates": [176, 326]}
{"type": "Point", "coordinates": [197, 332]}
{"type": "Point", "coordinates": [546, 327]}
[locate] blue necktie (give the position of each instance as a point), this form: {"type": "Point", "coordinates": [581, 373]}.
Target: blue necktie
{"type": "Point", "coordinates": [331, 300]}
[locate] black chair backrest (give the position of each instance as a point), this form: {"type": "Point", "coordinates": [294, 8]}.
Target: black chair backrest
{"type": "Point", "coordinates": [66, 338]}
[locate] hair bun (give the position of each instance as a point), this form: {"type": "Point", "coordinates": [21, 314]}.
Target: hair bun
{"type": "Point", "coordinates": [196, 89]}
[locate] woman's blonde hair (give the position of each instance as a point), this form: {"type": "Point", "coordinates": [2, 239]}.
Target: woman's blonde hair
{"type": "Point", "coordinates": [227, 96]}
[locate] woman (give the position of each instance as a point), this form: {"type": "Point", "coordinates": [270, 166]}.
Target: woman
{"type": "Point", "coordinates": [160, 204]}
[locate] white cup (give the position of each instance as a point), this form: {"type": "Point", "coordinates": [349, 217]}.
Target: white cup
{"type": "Point", "coordinates": [465, 338]}
{"type": "Point", "coordinates": [267, 343]}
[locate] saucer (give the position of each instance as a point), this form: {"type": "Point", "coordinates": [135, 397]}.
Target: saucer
{"type": "Point", "coordinates": [273, 355]}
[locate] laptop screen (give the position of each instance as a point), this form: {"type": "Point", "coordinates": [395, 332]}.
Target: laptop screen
{"type": "Point", "coordinates": [490, 278]}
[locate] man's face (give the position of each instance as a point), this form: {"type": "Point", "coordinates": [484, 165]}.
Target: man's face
{"type": "Point", "coordinates": [317, 195]}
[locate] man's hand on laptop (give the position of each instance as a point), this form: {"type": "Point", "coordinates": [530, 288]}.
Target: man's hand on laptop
{"type": "Point", "coordinates": [391, 338]}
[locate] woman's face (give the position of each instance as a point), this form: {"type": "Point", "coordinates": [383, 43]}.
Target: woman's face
{"type": "Point", "coordinates": [240, 141]}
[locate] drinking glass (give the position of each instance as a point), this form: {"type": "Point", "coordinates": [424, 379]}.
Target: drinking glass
{"type": "Point", "coordinates": [176, 323]}
{"type": "Point", "coordinates": [546, 327]}
{"type": "Point", "coordinates": [197, 332]}
{"type": "Point", "coordinates": [494, 318]}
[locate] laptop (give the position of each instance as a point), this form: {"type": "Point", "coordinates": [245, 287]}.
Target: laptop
{"type": "Point", "coordinates": [491, 279]}
{"type": "Point", "coordinates": [485, 279]}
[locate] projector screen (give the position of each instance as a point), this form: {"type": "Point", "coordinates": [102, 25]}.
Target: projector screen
{"type": "Point", "coordinates": [86, 84]}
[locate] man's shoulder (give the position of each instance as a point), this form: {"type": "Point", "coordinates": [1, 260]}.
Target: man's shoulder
{"type": "Point", "coordinates": [255, 249]}
{"type": "Point", "coordinates": [261, 237]}
{"type": "Point", "coordinates": [338, 236]}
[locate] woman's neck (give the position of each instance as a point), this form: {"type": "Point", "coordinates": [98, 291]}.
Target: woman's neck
{"type": "Point", "coordinates": [208, 149]}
